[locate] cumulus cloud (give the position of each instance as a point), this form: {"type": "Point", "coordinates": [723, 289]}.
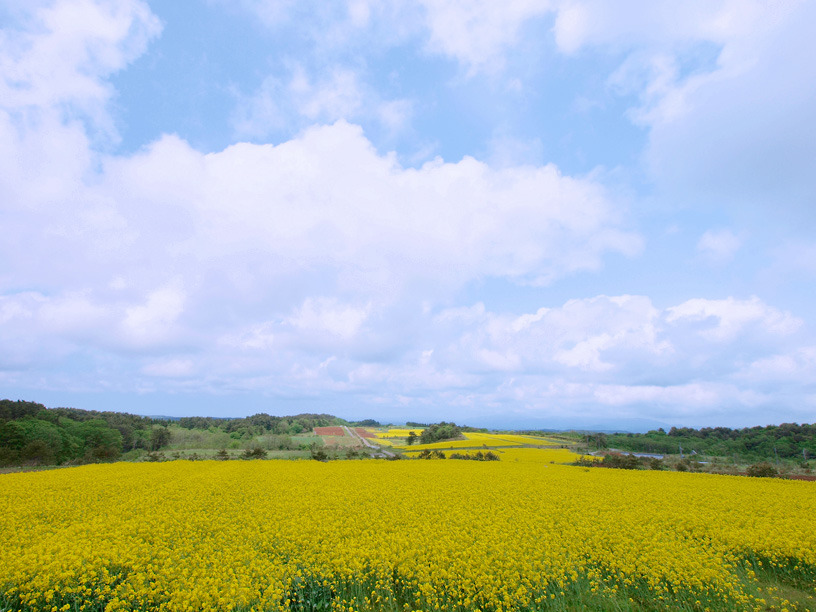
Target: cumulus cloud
{"type": "Point", "coordinates": [475, 34]}
{"type": "Point", "coordinates": [581, 23]}
{"type": "Point", "coordinates": [67, 48]}
{"type": "Point", "coordinates": [580, 335]}
{"type": "Point", "coordinates": [799, 364]}
{"type": "Point", "coordinates": [727, 110]}
{"type": "Point", "coordinates": [324, 315]}
{"type": "Point", "coordinates": [153, 321]}
{"type": "Point", "coordinates": [327, 199]}
{"type": "Point", "coordinates": [608, 338]}
{"type": "Point", "coordinates": [320, 266]}
{"type": "Point", "coordinates": [729, 317]}
{"type": "Point", "coordinates": [266, 251]}
{"type": "Point", "coordinates": [717, 84]}
{"type": "Point", "coordinates": [720, 90]}
{"type": "Point", "coordinates": [621, 352]}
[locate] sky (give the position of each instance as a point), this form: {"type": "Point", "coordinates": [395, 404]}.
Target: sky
{"type": "Point", "coordinates": [530, 213]}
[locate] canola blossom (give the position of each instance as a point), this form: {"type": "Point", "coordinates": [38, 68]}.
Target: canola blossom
{"type": "Point", "coordinates": [534, 455]}
{"type": "Point", "coordinates": [525, 439]}
{"type": "Point", "coordinates": [383, 441]}
{"type": "Point", "coordinates": [471, 440]}
{"type": "Point", "coordinates": [384, 535]}
{"type": "Point", "coordinates": [485, 440]}
{"type": "Point", "coordinates": [519, 454]}
{"type": "Point", "coordinates": [474, 440]}
{"type": "Point", "coordinates": [396, 433]}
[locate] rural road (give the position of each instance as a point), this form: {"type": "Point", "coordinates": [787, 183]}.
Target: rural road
{"type": "Point", "coordinates": [366, 443]}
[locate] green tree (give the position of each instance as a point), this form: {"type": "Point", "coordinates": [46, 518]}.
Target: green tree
{"type": "Point", "coordinates": [254, 453]}
{"type": "Point", "coordinates": [38, 452]}
{"type": "Point", "coordinates": [440, 431]}
{"type": "Point", "coordinates": [101, 442]}
{"type": "Point", "coordinates": [159, 438]}
{"type": "Point", "coordinates": [762, 470]}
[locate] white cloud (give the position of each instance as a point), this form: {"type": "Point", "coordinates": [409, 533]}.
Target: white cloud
{"type": "Point", "coordinates": [724, 91]}
{"type": "Point", "coordinates": [328, 199]}
{"type": "Point", "coordinates": [260, 336]}
{"type": "Point", "coordinates": [793, 259]}
{"type": "Point", "coordinates": [690, 398]}
{"type": "Point", "coordinates": [154, 321]}
{"type": "Point", "coordinates": [72, 315]}
{"type": "Point", "coordinates": [624, 352]}
{"type": "Point", "coordinates": [69, 47]}
{"type": "Point", "coordinates": [731, 316]}
{"type": "Point", "coordinates": [280, 106]}
{"type": "Point", "coordinates": [261, 247]}
{"type": "Point", "coordinates": [271, 12]}
{"type": "Point", "coordinates": [394, 115]}
{"type": "Point", "coordinates": [337, 97]}
{"type": "Point", "coordinates": [475, 33]}
{"type": "Point", "coordinates": [582, 336]}
{"type": "Point", "coordinates": [748, 126]}
{"type": "Point", "coordinates": [169, 368]}
{"type": "Point", "coordinates": [325, 315]}
{"type": "Point", "coordinates": [495, 360]}
{"type": "Point", "coordinates": [320, 266]}
{"type": "Point", "coordinates": [719, 246]}
{"type": "Point", "coordinates": [586, 354]}
{"type": "Point", "coordinates": [582, 23]}
{"type": "Point", "coordinates": [478, 33]}
{"type": "Point", "coordinates": [797, 365]}
{"type": "Point", "coordinates": [262, 113]}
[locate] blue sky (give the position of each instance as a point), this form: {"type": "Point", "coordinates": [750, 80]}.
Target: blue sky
{"type": "Point", "coordinates": [534, 213]}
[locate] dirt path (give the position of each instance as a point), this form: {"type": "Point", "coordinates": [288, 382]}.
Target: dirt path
{"type": "Point", "coordinates": [368, 444]}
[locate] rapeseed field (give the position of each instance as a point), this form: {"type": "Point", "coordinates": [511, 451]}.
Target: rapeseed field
{"type": "Point", "coordinates": [535, 455]}
{"type": "Point", "coordinates": [474, 440]}
{"type": "Point", "coordinates": [396, 433]}
{"type": "Point", "coordinates": [402, 536]}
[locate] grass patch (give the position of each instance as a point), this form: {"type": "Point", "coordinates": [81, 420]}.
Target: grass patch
{"type": "Point", "coordinates": [783, 584]}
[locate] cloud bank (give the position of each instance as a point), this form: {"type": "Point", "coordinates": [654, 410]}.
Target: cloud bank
{"type": "Point", "coordinates": [323, 267]}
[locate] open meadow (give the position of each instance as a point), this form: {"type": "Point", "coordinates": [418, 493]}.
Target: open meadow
{"type": "Point", "coordinates": [521, 533]}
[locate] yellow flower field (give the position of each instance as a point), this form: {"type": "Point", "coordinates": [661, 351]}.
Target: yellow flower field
{"type": "Point", "coordinates": [478, 439]}
{"type": "Point", "coordinates": [396, 433]}
{"type": "Point", "coordinates": [519, 454]}
{"type": "Point", "coordinates": [402, 535]}
{"type": "Point", "coordinates": [523, 439]}
{"type": "Point", "coordinates": [473, 440]}
{"type": "Point", "coordinates": [383, 441]}
{"type": "Point", "coordinates": [536, 455]}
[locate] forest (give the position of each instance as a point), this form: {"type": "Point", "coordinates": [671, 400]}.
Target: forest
{"type": "Point", "coordinates": [260, 424]}
{"type": "Point", "coordinates": [31, 434]}
{"type": "Point", "coordinates": [785, 441]}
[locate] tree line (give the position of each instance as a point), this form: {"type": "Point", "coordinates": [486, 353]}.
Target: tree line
{"type": "Point", "coordinates": [785, 441]}
{"type": "Point", "coordinates": [32, 434]}
{"type": "Point", "coordinates": [262, 423]}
